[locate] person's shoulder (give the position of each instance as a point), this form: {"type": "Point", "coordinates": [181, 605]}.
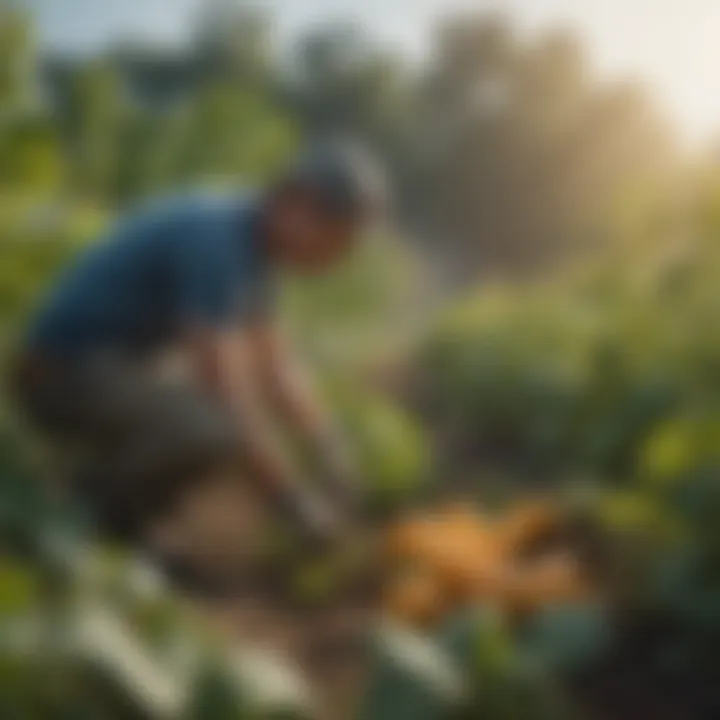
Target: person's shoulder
{"type": "Point", "coordinates": [185, 201]}
{"type": "Point", "coordinates": [205, 216]}
{"type": "Point", "coordinates": [188, 203]}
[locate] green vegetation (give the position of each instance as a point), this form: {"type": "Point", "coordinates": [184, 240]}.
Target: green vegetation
{"type": "Point", "coordinates": [602, 386]}
{"type": "Point", "coordinates": [597, 382]}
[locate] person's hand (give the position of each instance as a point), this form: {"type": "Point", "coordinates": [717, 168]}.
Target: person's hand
{"type": "Point", "coordinates": [315, 519]}
{"type": "Point", "coordinates": [344, 483]}
{"type": "Point", "coordinates": [345, 489]}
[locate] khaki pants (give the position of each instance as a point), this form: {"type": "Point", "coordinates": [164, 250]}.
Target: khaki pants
{"type": "Point", "coordinates": [137, 440]}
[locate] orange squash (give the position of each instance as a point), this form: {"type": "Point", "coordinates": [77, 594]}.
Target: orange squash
{"type": "Point", "coordinates": [457, 557]}
{"type": "Point", "coordinates": [406, 539]}
{"type": "Point", "coordinates": [555, 578]}
{"type": "Point", "coordinates": [416, 597]}
{"type": "Point", "coordinates": [525, 524]}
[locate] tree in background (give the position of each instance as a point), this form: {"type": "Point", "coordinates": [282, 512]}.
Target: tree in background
{"type": "Point", "coordinates": [520, 151]}
{"type": "Point", "coordinates": [30, 157]}
{"type": "Point", "coordinates": [507, 154]}
{"type": "Point", "coordinates": [139, 119]}
{"type": "Point", "coordinates": [234, 42]}
{"type": "Point", "coordinates": [92, 120]}
{"type": "Point", "coordinates": [339, 80]}
{"type": "Point", "coordinates": [17, 58]}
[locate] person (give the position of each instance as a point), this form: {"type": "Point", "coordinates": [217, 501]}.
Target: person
{"type": "Point", "coordinates": [196, 273]}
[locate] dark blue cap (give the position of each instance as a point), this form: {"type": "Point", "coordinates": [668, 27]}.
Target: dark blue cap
{"type": "Point", "coordinates": [345, 177]}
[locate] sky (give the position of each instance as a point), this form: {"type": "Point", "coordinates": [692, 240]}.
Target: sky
{"type": "Point", "coordinates": [671, 45]}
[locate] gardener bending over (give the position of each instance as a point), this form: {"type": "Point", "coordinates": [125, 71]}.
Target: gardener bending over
{"type": "Point", "coordinates": [195, 273]}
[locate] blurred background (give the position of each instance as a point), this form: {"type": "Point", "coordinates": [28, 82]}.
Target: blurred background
{"type": "Point", "coordinates": [541, 321]}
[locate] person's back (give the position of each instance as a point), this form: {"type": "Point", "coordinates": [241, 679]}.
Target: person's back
{"type": "Point", "coordinates": [81, 374]}
{"type": "Point", "coordinates": [192, 254]}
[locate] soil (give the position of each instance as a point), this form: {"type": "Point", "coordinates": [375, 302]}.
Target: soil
{"type": "Point", "coordinates": [328, 646]}
{"type": "Point", "coordinates": [253, 597]}
{"type": "Point", "coordinates": [326, 638]}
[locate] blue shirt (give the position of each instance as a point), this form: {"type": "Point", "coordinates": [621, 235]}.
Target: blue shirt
{"type": "Point", "coordinates": [190, 259]}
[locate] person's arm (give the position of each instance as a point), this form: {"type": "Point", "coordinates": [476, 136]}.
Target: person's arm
{"type": "Point", "coordinates": [292, 390]}
{"type": "Point", "coordinates": [225, 363]}
{"type": "Point", "coordinates": [217, 310]}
